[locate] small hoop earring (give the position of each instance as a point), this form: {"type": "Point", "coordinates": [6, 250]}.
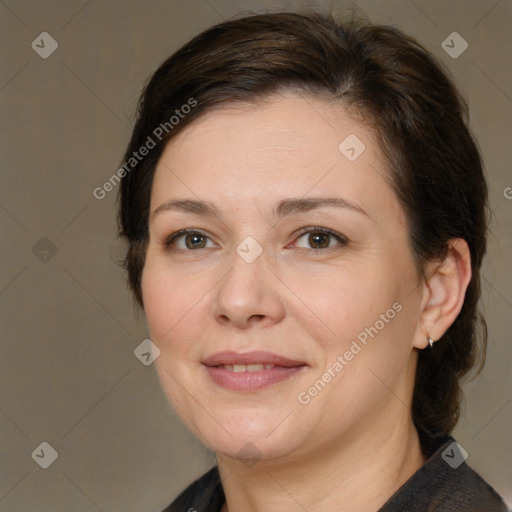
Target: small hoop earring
{"type": "Point", "coordinates": [431, 342]}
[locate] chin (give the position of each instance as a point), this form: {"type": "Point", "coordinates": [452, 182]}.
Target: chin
{"type": "Point", "coordinates": [248, 435]}
{"type": "Point", "coordinates": [248, 451]}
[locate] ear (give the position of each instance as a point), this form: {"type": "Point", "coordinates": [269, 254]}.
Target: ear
{"type": "Point", "coordinates": [444, 290]}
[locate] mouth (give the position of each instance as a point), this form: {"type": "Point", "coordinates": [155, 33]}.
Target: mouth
{"type": "Point", "coordinates": [250, 371]}
{"type": "Point", "coordinates": [237, 368]}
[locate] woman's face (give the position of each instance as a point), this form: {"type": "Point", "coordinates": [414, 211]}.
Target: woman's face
{"type": "Point", "coordinates": [324, 295]}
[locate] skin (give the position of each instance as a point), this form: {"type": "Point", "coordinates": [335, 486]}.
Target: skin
{"type": "Point", "coordinates": [354, 444]}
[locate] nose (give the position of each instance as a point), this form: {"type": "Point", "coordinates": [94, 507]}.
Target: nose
{"type": "Point", "coordinates": [248, 295]}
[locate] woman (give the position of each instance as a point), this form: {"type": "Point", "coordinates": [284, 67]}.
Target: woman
{"type": "Point", "coordinates": [305, 209]}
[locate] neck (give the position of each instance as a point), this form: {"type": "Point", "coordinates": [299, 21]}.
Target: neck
{"type": "Point", "coordinates": [358, 474]}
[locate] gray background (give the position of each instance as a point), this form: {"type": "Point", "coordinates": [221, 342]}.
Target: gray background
{"type": "Point", "coordinates": [68, 373]}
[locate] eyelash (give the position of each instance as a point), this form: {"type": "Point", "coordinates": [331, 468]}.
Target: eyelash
{"type": "Point", "coordinates": [341, 239]}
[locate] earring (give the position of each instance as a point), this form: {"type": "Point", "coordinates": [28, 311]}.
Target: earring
{"type": "Point", "coordinates": [431, 341]}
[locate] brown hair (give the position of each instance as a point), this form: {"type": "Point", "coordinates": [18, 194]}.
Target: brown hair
{"type": "Point", "coordinates": [419, 118]}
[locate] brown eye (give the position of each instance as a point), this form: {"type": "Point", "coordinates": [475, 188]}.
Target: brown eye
{"type": "Point", "coordinates": [321, 238]}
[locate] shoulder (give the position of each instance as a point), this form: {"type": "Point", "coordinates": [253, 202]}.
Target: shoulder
{"type": "Point", "coordinates": [203, 495]}
{"type": "Point", "coordinates": [445, 483]}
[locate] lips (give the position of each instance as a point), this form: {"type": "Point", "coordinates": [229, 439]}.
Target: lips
{"type": "Point", "coordinates": [250, 358]}
{"type": "Point", "coordinates": [237, 368]}
{"type": "Point", "coordinates": [250, 371]}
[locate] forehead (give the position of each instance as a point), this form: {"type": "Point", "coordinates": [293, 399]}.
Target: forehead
{"type": "Point", "coordinates": [285, 146]}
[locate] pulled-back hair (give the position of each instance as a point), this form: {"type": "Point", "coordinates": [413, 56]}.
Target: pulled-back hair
{"type": "Point", "coordinates": [380, 75]}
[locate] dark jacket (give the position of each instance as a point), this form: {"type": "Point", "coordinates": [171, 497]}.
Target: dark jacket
{"type": "Point", "coordinates": [445, 483]}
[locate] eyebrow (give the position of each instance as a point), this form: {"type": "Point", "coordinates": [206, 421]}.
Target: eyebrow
{"type": "Point", "coordinates": [282, 208]}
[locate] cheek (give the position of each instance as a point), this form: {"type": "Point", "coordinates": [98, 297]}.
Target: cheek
{"type": "Point", "coordinates": [342, 302]}
{"type": "Point", "coordinates": [169, 302]}
{"type": "Point", "coordinates": [362, 325]}
{"type": "Point", "coordinates": [171, 305]}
